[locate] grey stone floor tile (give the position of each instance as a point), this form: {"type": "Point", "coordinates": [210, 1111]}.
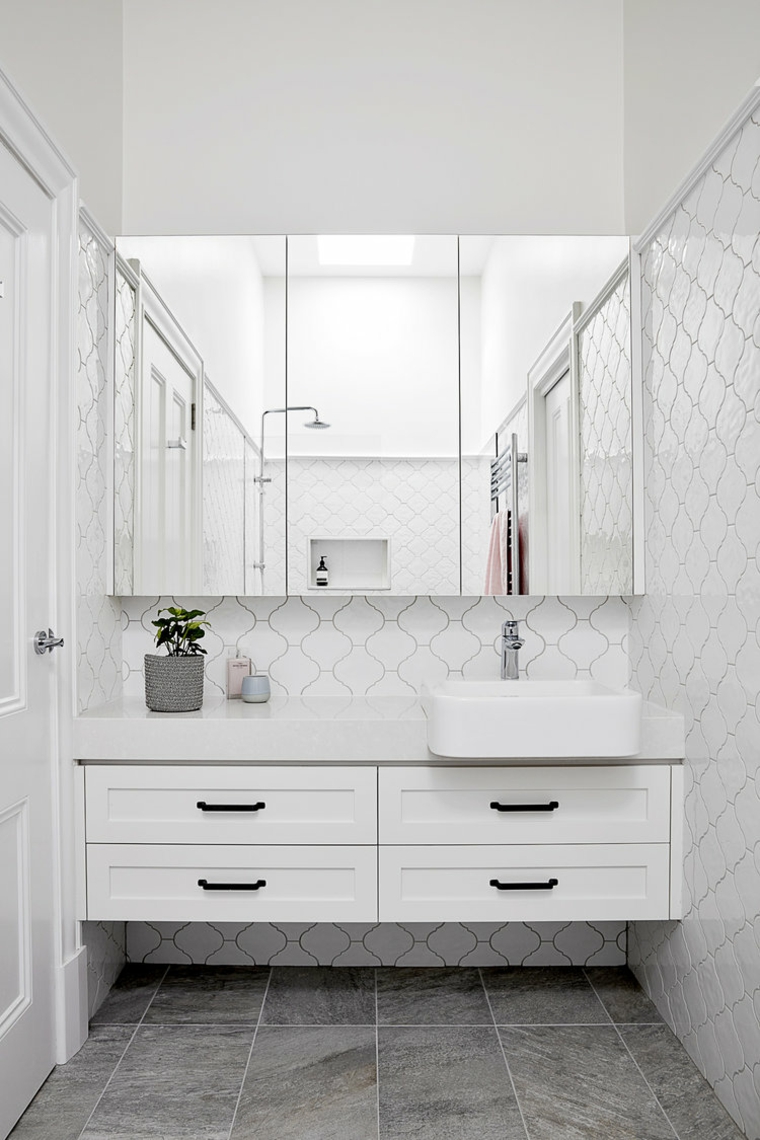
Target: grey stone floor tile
{"type": "Point", "coordinates": [320, 995]}
{"type": "Point", "coordinates": [558, 995]}
{"type": "Point", "coordinates": [445, 1083]}
{"type": "Point", "coordinates": [209, 995]}
{"type": "Point", "coordinates": [578, 1082]}
{"type": "Point", "coordinates": [310, 1082]}
{"type": "Point", "coordinates": [130, 995]}
{"type": "Point", "coordinates": [62, 1106]}
{"type": "Point", "coordinates": [621, 995]}
{"type": "Point", "coordinates": [431, 996]}
{"type": "Point", "coordinates": [175, 1082]}
{"type": "Point", "coordinates": [692, 1107]}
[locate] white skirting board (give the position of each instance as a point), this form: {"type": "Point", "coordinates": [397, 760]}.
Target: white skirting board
{"type": "Point", "coordinates": [71, 1006]}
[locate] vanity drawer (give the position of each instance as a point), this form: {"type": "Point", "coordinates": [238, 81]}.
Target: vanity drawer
{"type": "Point", "coordinates": [594, 882]}
{"type": "Point", "coordinates": [160, 882]}
{"type": "Point", "coordinates": [141, 804]}
{"type": "Point", "coordinates": [621, 804]}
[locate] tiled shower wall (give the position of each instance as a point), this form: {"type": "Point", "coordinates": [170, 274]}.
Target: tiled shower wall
{"type": "Point", "coordinates": [695, 635]}
{"type": "Point", "coordinates": [99, 653]}
{"type": "Point", "coordinates": [412, 502]}
{"type": "Point", "coordinates": [230, 462]}
{"type": "Point", "coordinates": [387, 646]}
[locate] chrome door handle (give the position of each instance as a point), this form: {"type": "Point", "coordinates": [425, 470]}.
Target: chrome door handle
{"type": "Point", "coordinates": [46, 641]}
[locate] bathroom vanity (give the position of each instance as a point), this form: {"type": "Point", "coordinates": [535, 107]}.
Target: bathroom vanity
{"type": "Point", "coordinates": [335, 811]}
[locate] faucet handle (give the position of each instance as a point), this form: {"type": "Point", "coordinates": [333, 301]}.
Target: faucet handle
{"type": "Point", "coordinates": [510, 628]}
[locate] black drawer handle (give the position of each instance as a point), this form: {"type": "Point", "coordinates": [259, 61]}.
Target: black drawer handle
{"type": "Point", "coordinates": [551, 806]}
{"type": "Point", "coordinates": [207, 886]}
{"type": "Point", "coordinates": [548, 886]}
{"type": "Point", "coordinates": [230, 807]}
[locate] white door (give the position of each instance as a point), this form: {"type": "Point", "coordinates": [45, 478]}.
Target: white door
{"type": "Point", "coordinates": [27, 692]}
{"type": "Point", "coordinates": [559, 499]}
{"type": "Point", "coordinates": [167, 525]}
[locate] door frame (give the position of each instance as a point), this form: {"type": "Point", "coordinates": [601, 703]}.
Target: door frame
{"type": "Point", "coordinates": [25, 136]}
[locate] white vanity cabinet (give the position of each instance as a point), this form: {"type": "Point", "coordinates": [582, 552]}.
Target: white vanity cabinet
{"type": "Point", "coordinates": [396, 843]}
{"type": "Point", "coordinates": [223, 844]}
{"type": "Point", "coordinates": [530, 844]}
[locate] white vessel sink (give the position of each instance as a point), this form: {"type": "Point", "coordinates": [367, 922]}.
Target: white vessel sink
{"type": "Point", "coordinates": [506, 719]}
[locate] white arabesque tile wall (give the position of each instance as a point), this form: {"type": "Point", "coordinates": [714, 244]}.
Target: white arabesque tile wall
{"type": "Point", "coordinates": [604, 382]}
{"type": "Point", "coordinates": [125, 426]}
{"type": "Point", "coordinates": [382, 646]}
{"type": "Point", "coordinates": [695, 636]}
{"type": "Point", "coordinates": [98, 615]}
{"type": "Point", "coordinates": [99, 654]}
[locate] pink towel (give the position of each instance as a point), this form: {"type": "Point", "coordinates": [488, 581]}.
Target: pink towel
{"type": "Point", "coordinates": [497, 566]}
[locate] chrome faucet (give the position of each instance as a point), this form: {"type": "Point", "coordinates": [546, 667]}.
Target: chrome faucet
{"type": "Point", "coordinates": [511, 644]}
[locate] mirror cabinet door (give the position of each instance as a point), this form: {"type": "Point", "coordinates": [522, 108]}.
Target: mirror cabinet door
{"type": "Point", "coordinates": [547, 440]}
{"type": "Point", "coordinates": [373, 420]}
{"type": "Point", "coordinates": [373, 414]}
{"type": "Point", "coordinates": [199, 359]}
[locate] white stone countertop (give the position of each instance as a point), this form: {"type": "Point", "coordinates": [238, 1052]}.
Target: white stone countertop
{"type": "Point", "coordinates": [292, 730]}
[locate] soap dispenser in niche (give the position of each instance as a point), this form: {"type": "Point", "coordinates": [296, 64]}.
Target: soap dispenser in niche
{"type": "Point", "coordinates": [322, 575]}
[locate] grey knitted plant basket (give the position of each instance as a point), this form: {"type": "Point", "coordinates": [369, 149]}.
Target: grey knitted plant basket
{"type": "Point", "coordinates": [173, 684]}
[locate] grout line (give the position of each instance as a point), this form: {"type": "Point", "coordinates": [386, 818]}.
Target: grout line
{"type": "Point", "coordinates": [504, 1055]}
{"type": "Point", "coordinates": [377, 1059]}
{"type": "Point", "coordinates": [126, 1049]}
{"type": "Point", "coordinates": [221, 1024]}
{"type": "Point", "coordinates": [312, 1025]}
{"type": "Point", "coordinates": [638, 1066]}
{"type": "Point", "coordinates": [589, 983]}
{"type": "Point", "coordinates": [250, 1055]}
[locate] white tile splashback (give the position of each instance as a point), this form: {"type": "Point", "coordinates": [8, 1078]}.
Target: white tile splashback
{"type": "Point", "coordinates": [388, 646]}
{"type": "Point", "coordinates": [695, 640]}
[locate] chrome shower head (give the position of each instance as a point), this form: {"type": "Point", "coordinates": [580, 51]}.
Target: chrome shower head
{"type": "Point", "coordinates": [316, 423]}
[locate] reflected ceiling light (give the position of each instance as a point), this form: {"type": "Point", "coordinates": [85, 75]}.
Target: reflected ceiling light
{"type": "Point", "coordinates": [365, 249]}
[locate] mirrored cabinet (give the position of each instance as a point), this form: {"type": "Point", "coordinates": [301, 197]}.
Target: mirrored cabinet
{"type": "Point", "coordinates": [367, 414]}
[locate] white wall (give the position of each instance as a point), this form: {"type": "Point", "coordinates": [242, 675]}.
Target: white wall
{"type": "Point", "coordinates": [528, 286]}
{"type": "Point", "coordinates": [458, 116]}
{"type": "Point", "coordinates": [435, 116]}
{"type": "Point", "coordinates": [66, 60]}
{"type": "Point", "coordinates": [688, 65]}
{"type": "Point", "coordinates": [214, 287]}
{"type": "Point", "coordinates": [378, 357]}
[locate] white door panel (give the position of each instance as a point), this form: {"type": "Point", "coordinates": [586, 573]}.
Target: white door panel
{"type": "Point", "coordinates": [27, 696]}
{"type": "Point", "coordinates": [166, 475]}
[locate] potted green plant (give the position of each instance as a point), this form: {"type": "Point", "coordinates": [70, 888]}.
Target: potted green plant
{"type": "Point", "coordinates": [174, 680]}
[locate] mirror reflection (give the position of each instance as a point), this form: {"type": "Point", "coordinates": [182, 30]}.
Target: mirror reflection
{"type": "Point", "coordinates": [373, 413]}
{"type": "Point", "coordinates": [201, 353]}
{"type": "Point", "coordinates": [372, 341]}
{"type": "Point", "coordinates": [546, 415]}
